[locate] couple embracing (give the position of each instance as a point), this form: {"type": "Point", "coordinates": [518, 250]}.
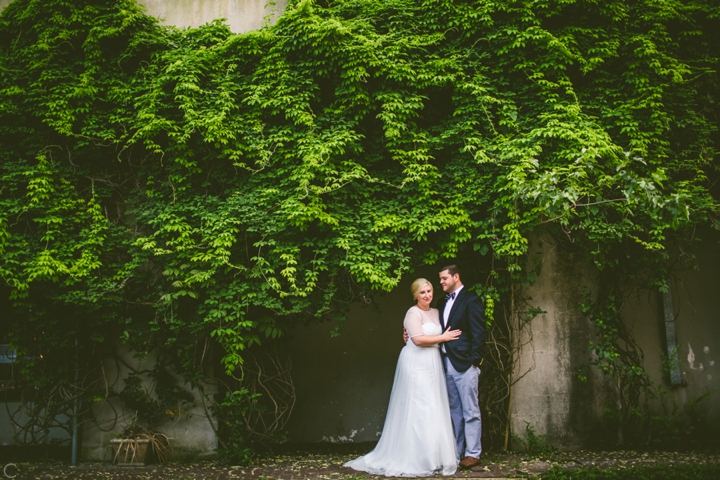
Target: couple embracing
{"type": "Point", "coordinates": [433, 418]}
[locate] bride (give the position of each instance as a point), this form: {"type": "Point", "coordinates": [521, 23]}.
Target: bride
{"type": "Point", "coordinates": [417, 439]}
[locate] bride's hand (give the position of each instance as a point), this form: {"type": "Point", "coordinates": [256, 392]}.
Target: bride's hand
{"type": "Point", "coordinates": [451, 335]}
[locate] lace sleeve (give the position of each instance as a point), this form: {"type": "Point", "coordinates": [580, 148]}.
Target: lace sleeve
{"type": "Point", "coordinates": [413, 323]}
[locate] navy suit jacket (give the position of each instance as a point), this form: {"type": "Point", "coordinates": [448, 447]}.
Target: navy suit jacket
{"type": "Point", "coordinates": [468, 315]}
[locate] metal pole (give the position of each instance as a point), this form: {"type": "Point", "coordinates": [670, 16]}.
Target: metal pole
{"type": "Point", "coordinates": [74, 451]}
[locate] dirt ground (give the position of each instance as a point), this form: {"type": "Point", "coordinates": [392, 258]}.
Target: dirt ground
{"type": "Point", "coordinates": [302, 464]}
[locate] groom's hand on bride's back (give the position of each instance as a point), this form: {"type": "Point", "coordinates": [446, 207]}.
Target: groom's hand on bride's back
{"type": "Point", "coordinates": [406, 337]}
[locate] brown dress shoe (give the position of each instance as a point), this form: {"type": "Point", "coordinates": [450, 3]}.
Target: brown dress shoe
{"type": "Point", "coordinates": [469, 462]}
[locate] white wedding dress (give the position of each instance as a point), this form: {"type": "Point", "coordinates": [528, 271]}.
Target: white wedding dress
{"type": "Point", "coordinates": [417, 438]}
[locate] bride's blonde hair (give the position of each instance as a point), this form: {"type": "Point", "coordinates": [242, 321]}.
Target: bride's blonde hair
{"type": "Point", "coordinates": [417, 285]}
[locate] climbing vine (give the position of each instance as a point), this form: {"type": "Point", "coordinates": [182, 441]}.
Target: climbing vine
{"type": "Point", "coordinates": [167, 186]}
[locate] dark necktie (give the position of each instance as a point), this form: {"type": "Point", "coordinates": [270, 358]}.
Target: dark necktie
{"type": "Point", "coordinates": [449, 296]}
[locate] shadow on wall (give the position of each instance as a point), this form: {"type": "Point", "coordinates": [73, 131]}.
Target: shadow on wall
{"type": "Point", "coordinates": [343, 384]}
{"type": "Point", "coordinates": [698, 330]}
{"type": "Point", "coordinates": [696, 305]}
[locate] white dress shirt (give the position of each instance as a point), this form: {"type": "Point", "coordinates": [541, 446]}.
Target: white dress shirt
{"type": "Point", "coordinates": [446, 311]}
{"type": "Point", "coordinates": [449, 304]}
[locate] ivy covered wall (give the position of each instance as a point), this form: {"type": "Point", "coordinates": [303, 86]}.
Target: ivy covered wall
{"type": "Point", "coordinates": [191, 189]}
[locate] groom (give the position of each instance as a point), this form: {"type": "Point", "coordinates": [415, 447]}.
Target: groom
{"type": "Point", "coordinates": [462, 309]}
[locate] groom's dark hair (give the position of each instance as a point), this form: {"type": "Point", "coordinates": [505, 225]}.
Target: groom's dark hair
{"type": "Point", "coordinates": [452, 270]}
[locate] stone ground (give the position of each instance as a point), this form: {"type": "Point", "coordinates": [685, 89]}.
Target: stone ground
{"type": "Point", "coordinates": [306, 465]}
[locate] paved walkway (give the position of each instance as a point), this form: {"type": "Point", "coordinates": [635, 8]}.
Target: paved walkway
{"type": "Point", "coordinates": [307, 466]}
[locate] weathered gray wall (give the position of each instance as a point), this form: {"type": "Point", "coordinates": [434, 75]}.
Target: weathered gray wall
{"type": "Point", "coordinates": [241, 15]}
{"type": "Point", "coordinates": [696, 302]}
{"type": "Point", "coordinates": [343, 384]}
{"type": "Point", "coordinates": [547, 394]}
{"type": "Point", "coordinates": [13, 410]}
{"type": "Point", "coordinates": [698, 329]}
{"type": "Point", "coordinates": [697, 308]}
{"type": "Point", "coordinates": [550, 397]}
{"type": "Point", "coordinates": [189, 434]}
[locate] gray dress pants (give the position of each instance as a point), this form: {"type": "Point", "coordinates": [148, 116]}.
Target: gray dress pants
{"type": "Point", "coordinates": [464, 409]}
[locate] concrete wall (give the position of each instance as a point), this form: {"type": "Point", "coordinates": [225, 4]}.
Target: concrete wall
{"type": "Point", "coordinates": [190, 433]}
{"type": "Point", "coordinates": [190, 436]}
{"type": "Point", "coordinates": [343, 384]}
{"type": "Point", "coordinates": [547, 394]}
{"type": "Point", "coordinates": [241, 15]}
{"type": "Point", "coordinates": [13, 410]}
{"type": "Point", "coordinates": [696, 302]}
{"type": "Point", "coordinates": [555, 403]}
{"type": "Point", "coordinates": [697, 306]}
